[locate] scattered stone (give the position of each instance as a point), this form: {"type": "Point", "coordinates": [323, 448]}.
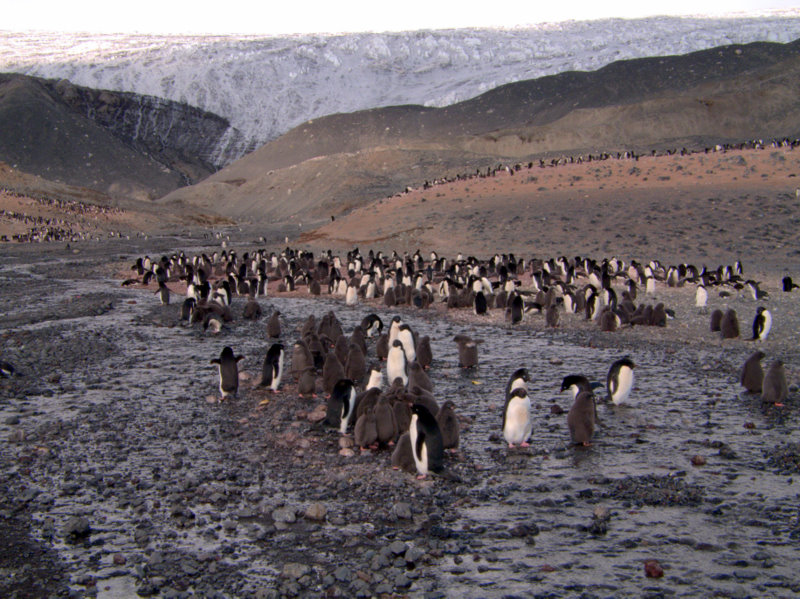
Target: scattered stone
{"type": "Point", "coordinates": [402, 510]}
{"type": "Point", "coordinates": [652, 569]}
{"type": "Point", "coordinates": [345, 442]}
{"type": "Point", "coordinates": [295, 571]}
{"type": "Point", "coordinates": [347, 452]}
{"type": "Point", "coordinates": [76, 529]}
{"type": "Point", "coordinates": [397, 548]}
{"type": "Point", "coordinates": [316, 511]}
{"type": "Point", "coordinates": [119, 559]}
{"type": "Point", "coordinates": [284, 515]}
{"type": "Point", "coordinates": [698, 460]}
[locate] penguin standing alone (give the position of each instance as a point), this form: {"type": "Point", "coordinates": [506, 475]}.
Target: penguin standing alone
{"type": "Point", "coordinates": [774, 389]}
{"type": "Point", "coordinates": [228, 372]}
{"type": "Point", "coordinates": [762, 324]}
{"type": "Point", "coordinates": [581, 419]}
{"type": "Point", "coordinates": [272, 369]}
{"type": "Point", "coordinates": [517, 425]}
{"type": "Point", "coordinates": [619, 381]}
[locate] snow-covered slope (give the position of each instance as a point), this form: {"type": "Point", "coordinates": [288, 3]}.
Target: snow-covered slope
{"type": "Point", "coordinates": [265, 86]}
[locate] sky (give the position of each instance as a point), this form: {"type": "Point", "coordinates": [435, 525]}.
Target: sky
{"type": "Point", "coordinates": [338, 16]}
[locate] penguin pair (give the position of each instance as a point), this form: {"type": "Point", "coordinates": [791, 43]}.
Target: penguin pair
{"type": "Point", "coordinates": [772, 386]}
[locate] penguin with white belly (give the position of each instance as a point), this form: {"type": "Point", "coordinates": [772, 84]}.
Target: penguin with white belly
{"type": "Point", "coordinates": [619, 381]}
{"type": "Point", "coordinates": [517, 425]}
{"type": "Point", "coordinates": [426, 441]}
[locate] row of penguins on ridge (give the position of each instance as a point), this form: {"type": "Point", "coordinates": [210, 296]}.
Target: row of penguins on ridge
{"type": "Point", "coordinates": [406, 412]}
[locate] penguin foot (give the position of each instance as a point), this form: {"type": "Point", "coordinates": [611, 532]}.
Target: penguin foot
{"type": "Point", "coordinates": [421, 476]}
{"type": "Point", "coordinates": [524, 444]}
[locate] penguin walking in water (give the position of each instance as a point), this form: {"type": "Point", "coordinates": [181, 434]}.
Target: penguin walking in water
{"type": "Point", "coordinates": [619, 381]}
{"type": "Point", "coordinates": [448, 424]}
{"type": "Point", "coordinates": [272, 369]}
{"type": "Point", "coordinates": [581, 418]}
{"type": "Point", "coordinates": [752, 375]}
{"type": "Point", "coordinates": [774, 389]}
{"type": "Point", "coordinates": [426, 441]}
{"type": "Point", "coordinates": [228, 372]}
{"type": "Point", "coordinates": [341, 405]}
{"type": "Point", "coordinates": [762, 324]}
{"type": "Point", "coordinates": [517, 425]}
{"type": "Point", "coordinates": [729, 326]}
{"type": "Point", "coordinates": [467, 351]}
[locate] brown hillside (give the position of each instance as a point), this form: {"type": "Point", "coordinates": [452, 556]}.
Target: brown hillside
{"type": "Point", "coordinates": [328, 166]}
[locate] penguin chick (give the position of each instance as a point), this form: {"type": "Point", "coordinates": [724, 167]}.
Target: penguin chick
{"type": "Point", "coordinates": [752, 375]}
{"type": "Point", "coordinates": [581, 418]}
{"type": "Point", "coordinates": [448, 424]}
{"type": "Point", "coordinates": [774, 389]}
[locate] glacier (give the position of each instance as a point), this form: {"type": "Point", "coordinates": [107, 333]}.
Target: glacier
{"type": "Point", "coordinates": [266, 85]}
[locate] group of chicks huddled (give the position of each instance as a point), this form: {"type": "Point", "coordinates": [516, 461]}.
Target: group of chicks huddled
{"type": "Point", "coordinates": [405, 415]}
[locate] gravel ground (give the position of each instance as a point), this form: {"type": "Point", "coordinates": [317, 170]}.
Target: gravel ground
{"type": "Point", "coordinates": [122, 476]}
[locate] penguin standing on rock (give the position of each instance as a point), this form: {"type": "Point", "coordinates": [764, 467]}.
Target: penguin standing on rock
{"type": "Point", "coordinates": [619, 381]}
{"type": "Point", "coordinates": [426, 441]}
{"type": "Point", "coordinates": [517, 425]}
{"type": "Point", "coordinates": [272, 369]}
{"type": "Point", "coordinates": [228, 372]}
{"type": "Point", "coordinates": [762, 324]}
{"type": "Point", "coordinates": [752, 375]}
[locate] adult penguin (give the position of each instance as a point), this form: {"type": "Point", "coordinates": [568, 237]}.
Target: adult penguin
{"type": "Point", "coordinates": [700, 297]}
{"type": "Point", "coordinates": [479, 304]}
{"type": "Point", "coordinates": [467, 351]}
{"type": "Point", "coordinates": [619, 381]}
{"type": "Point", "coordinates": [448, 424]}
{"type": "Point", "coordinates": [406, 337]}
{"type": "Point", "coordinates": [581, 418]}
{"type": "Point", "coordinates": [372, 325]}
{"type": "Point", "coordinates": [272, 369]}
{"type": "Point", "coordinates": [762, 324]}
{"type": "Point", "coordinates": [396, 363]}
{"type": "Point", "coordinates": [516, 308]}
{"type": "Point", "coordinates": [341, 405]}
{"type": "Point", "coordinates": [163, 292]}
{"type": "Point", "coordinates": [576, 383]}
{"type": "Point", "coordinates": [424, 352]}
{"type": "Point", "coordinates": [228, 372]}
{"type": "Point", "coordinates": [752, 375]}
{"type": "Point", "coordinates": [774, 389]}
{"type": "Point", "coordinates": [426, 441]}
{"type": "Point", "coordinates": [517, 425]}
{"type": "Point", "coordinates": [729, 326]}
{"type": "Point", "coordinates": [519, 380]}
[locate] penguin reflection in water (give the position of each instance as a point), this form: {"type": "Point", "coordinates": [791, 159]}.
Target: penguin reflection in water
{"type": "Point", "coordinates": [228, 372]}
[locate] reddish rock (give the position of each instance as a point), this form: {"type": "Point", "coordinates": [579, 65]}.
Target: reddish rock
{"type": "Point", "coordinates": [698, 460]}
{"type": "Point", "coordinates": [652, 569]}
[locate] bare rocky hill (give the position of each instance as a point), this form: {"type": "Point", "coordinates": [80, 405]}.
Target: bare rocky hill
{"type": "Point", "coordinates": [329, 166]}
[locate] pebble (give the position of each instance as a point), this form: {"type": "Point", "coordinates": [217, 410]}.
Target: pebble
{"type": "Point", "coordinates": [347, 452]}
{"type": "Point", "coordinates": [12, 420]}
{"type": "Point", "coordinates": [284, 515]}
{"type": "Point", "coordinates": [345, 442]}
{"type": "Point", "coordinates": [77, 528]}
{"type": "Point", "coordinates": [316, 511]}
{"type": "Point", "coordinates": [402, 510]}
{"type": "Point", "coordinates": [295, 571]}
{"type": "Point", "coordinates": [652, 569]}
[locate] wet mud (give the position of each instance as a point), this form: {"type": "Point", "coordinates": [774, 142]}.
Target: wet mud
{"type": "Point", "coordinates": [123, 477]}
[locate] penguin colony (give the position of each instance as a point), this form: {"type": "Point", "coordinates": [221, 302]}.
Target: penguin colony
{"type": "Point", "coordinates": [404, 414]}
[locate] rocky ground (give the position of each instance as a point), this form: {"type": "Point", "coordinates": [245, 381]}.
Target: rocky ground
{"type": "Point", "coordinates": [123, 476]}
